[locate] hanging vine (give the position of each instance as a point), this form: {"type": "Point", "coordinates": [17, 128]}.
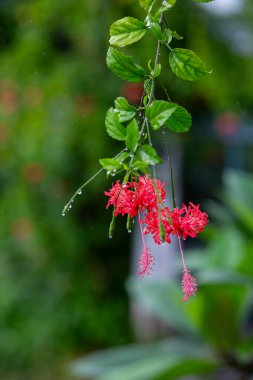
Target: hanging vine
{"type": "Point", "coordinates": [140, 194]}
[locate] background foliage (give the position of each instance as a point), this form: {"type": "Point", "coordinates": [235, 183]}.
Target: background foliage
{"type": "Point", "coordinates": [61, 280]}
{"type": "Point", "coordinates": [213, 334]}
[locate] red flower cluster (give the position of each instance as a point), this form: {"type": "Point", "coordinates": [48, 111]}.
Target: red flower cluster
{"type": "Point", "coordinates": [132, 197]}
{"type": "Point", "coordinates": [188, 221]}
{"type": "Point", "coordinates": [148, 195]}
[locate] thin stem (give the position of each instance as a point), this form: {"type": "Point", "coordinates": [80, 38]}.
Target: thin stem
{"type": "Point", "coordinates": [182, 253]}
{"type": "Point", "coordinates": [169, 160]}
{"type": "Point", "coordinates": [148, 132]}
{"type": "Point", "coordinates": [171, 169]}
{"type": "Point", "coordinates": [150, 143]}
{"type": "Point", "coordinates": [142, 234]}
{"type": "Point", "coordinates": [152, 91]}
{"type": "Point", "coordinates": [68, 206]}
{"type": "Point", "coordinates": [137, 145]}
{"type": "Point", "coordinates": [166, 92]}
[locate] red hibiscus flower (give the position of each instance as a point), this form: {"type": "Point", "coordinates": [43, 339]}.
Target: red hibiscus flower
{"type": "Point", "coordinates": [188, 221]}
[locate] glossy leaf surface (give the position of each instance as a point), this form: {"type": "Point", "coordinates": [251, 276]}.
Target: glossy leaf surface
{"type": "Point", "coordinates": [123, 66]}
{"type": "Point", "coordinates": [159, 112]}
{"type": "Point", "coordinates": [187, 65]}
{"type": "Point", "coordinates": [180, 121]}
{"type": "Point", "coordinates": [132, 136]}
{"type": "Point", "coordinates": [113, 126]}
{"type": "Point", "coordinates": [126, 31]}
{"type": "Point", "coordinates": [124, 110]}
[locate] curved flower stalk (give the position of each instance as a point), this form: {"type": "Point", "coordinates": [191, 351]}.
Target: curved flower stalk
{"type": "Point", "coordinates": [133, 126]}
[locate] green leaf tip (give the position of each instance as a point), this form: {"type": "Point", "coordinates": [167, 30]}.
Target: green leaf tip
{"type": "Point", "coordinates": [146, 4]}
{"type": "Point", "coordinates": [124, 110]}
{"type": "Point", "coordinates": [187, 65]}
{"type": "Point", "coordinates": [180, 120]}
{"type": "Point", "coordinates": [114, 128]}
{"type": "Point", "coordinates": [123, 66]}
{"type": "Point", "coordinates": [110, 164]}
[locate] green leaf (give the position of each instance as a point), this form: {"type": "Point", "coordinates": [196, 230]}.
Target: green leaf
{"type": "Point", "coordinates": [123, 66]}
{"type": "Point", "coordinates": [202, 1]}
{"type": "Point", "coordinates": [148, 86]}
{"type": "Point", "coordinates": [156, 30]}
{"type": "Point", "coordinates": [126, 31]}
{"type": "Point", "coordinates": [149, 155]}
{"type": "Point", "coordinates": [180, 120]}
{"type": "Point", "coordinates": [113, 126]}
{"type": "Point", "coordinates": [140, 165]}
{"type": "Point", "coordinates": [176, 35]}
{"type": "Point", "coordinates": [146, 4]}
{"type": "Point", "coordinates": [124, 110]}
{"type": "Point", "coordinates": [192, 366]}
{"type": "Point", "coordinates": [158, 113]}
{"type": "Point", "coordinates": [160, 367]}
{"type": "Point", "coordinates": [132, 136]}
{"type": "Point", "coordinates": [110, 164]}
{"type": "Point", "coordinates": [187, 65]}
{"type": "Point", "coordinates": [168, 34]}
{"type": "Point", "coordinates": [145, 100]}
{"type": "Point", "coordinates": [144, 361]}
{"type": "Point", "coordinates": [121, 157]}
{"type": "Point", "coordinates": [157, 70]}
{"type": "Point", "coordinates": [169, 3]}
{"type": "Point", "coordinates": [166, 6]}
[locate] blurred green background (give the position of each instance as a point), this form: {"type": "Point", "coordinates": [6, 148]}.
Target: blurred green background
{"type": "Point", "coordinates": [62, 281]}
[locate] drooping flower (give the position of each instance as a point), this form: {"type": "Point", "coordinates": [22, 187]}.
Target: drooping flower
{"type": "Point", "coordinates": [120, 197]}
{"type": "Point", "coordinates": [156, 220]}
{"type": "Point", "coordinates": [146, 262]}
{"type": "Point", "coordinates": [189, 285]}
{"type": "Point", "coordinates": [148, 194]}
{"type": "Point", "coordinates": [188, 221]}
{"type": "Point", "coordinates": [142, 194]}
